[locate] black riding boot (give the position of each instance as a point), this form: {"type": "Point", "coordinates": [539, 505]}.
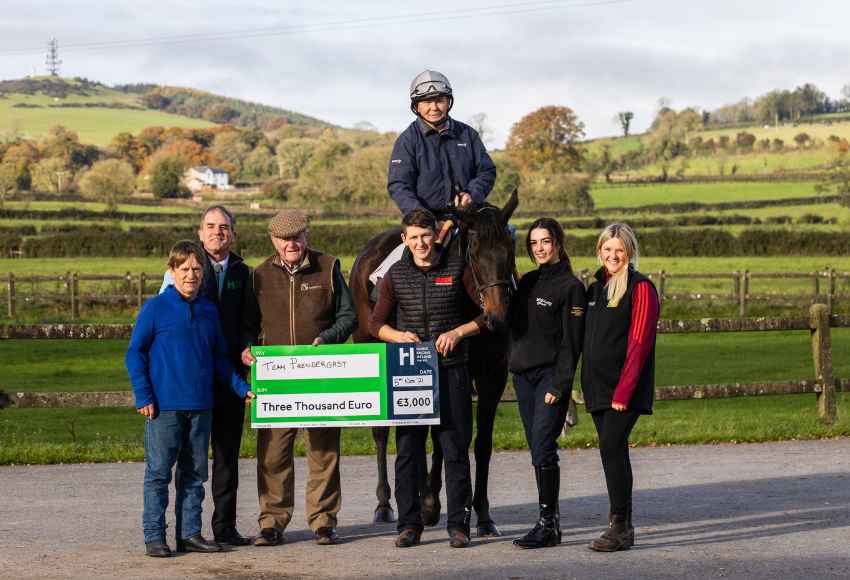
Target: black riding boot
{"type": "Point", "coordinates": [547, 531]}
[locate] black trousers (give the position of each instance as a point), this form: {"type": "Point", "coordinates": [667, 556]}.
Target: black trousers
{"type": "Point", "coordinates": [455, 436]}
{"type": "Point", "coordinates": [542, 422]}
{"type": "Point", "coordinates": [614, 428]}
{"type": "Point", "coordinates": [226, 437]}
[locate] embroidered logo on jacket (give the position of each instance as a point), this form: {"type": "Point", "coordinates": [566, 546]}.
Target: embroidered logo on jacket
{"type": "Point", "coordinates": [443, 281]}
{"type": "Point", "coordinates": [306, 287]}
{"type": "Point", "coordinates": [396, 161]}
{"type": "Point", "coordinates": [461, 144]}
{"type": "Point", "coordinates": [577, 311]}
{"type": "Point", "coordinates": [543, 302]}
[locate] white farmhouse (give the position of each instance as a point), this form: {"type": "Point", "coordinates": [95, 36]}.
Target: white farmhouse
{"type": "Point", "coordinates": [203, 177]}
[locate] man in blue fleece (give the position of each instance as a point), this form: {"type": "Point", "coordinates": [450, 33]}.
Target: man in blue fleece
{"type": "Point", "coordinates": [176, 351]}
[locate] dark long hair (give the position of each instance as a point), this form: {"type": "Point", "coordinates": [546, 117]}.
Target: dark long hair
{"type": "Point", "coordinates": [556, 231]}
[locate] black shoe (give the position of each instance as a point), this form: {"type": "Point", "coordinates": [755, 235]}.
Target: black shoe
{"type": "Point", "coordinates": [233, 538]}
{"type": "Point", "coordinates": [197, 543]}
{"type": "Point", "coordinates": [458, 538]}
{"type": "Point", "coordinates": [157, 549]}
{"type": "Point", "coordinates": [327, 536]}
{"type": "Point", "coordinates": [407, 538]}
{"type": "Point", "coordinates": [269, 537]}
{"type": "Point", "coordinates": [547, 531]}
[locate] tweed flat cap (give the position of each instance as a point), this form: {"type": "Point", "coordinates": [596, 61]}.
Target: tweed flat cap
{"type": "Point", "coordinates": [288, 224]}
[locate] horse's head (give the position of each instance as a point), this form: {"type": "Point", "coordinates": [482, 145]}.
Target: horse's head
{"type": "Point", "coordinates": [490, 255]}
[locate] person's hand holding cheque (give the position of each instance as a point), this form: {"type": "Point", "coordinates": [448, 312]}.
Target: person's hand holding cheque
{"type": "Point", "coordinates": [248, 359]}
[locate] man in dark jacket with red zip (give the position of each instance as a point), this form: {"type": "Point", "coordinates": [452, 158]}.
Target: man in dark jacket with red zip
{"type": "Point", "coordinates": [431, 290]}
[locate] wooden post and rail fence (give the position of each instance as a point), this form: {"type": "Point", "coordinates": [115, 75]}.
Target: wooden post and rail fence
{"type": "Point", "coordinates": [133, 289]}
{"type": "Point", "coordinates": [818, 323]}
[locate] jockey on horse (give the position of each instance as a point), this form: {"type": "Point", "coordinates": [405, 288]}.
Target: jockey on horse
{"type": "Point", "coordinates": [441, 164]}
{"type": "Point", "coordinates": [437, 162]}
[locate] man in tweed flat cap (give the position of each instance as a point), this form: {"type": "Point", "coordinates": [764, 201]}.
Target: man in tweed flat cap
{"type": "Point", "coordinates": [300, 297]}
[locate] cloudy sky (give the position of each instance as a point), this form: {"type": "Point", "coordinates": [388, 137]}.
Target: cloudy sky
{"type": "Point", "coordinates": [348, 62]}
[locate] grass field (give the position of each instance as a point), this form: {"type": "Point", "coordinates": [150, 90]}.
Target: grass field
{"type": "Point", "coordinates": [94, 125]}
{"type": "Point", "coordinates": [786, 132]}
{"type": "Point", "coordinates": [113, 434]}
{"type": "Point", "coordinates": [607, 196]}
{"type": "Point", "coordinates": [164, 208]}
{"type": "Point", "coordinates": [80, 365]}
{"type": "Point", "coordinates": [681, 265]}
{"type": "Point", "coordinates": [617, 145]}
{"type": "Point", "coordinates": [755, 163]}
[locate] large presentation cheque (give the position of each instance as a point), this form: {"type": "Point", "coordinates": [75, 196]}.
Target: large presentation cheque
{"type": "Point", "coordinates": [345, 385]}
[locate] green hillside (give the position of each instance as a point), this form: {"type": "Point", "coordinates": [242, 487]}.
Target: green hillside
{"type": "Point", "coordinates": [95, 112]}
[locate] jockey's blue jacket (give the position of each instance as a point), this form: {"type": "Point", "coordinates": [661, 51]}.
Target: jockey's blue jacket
{"type": "Point", "coordinates": [427, 167]}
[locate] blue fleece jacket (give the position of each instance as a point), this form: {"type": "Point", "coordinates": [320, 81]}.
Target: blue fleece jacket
{"type": "Point", "coordinates": [176, 351]}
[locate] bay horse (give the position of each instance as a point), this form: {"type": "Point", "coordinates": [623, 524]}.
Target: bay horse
{"type": "Point", "coordinates": [489, 249]}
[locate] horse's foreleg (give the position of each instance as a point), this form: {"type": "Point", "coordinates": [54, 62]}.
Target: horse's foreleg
{"type": "Point", "coordinates": [384, 511]}
{"type": "Point", "coordinates": [432, 483]}
{"type": "Point", "coordinates": [486, 419]}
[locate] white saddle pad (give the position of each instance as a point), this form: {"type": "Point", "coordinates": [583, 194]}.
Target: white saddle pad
{"type": "Point", "coordinates": [391, 259]}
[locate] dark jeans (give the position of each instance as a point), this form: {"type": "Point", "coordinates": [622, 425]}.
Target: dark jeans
{"type": "Point", "coordinates": [181, 437]}
{"type": "Point", "coordinates": [613, 428]}
{"type": "Point", "coordinates": [227, 421]}
{"type": "Point", "coordinates": [542, 422]}
{"type": "Point", "coordinates": [455, 436]}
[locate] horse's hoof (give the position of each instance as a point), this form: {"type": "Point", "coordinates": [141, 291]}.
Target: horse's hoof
{"type": "Point", "coordinates": [383, 515]}
{"type": "Point", "coordinates": [431, 511]}
{"type": "Point", "coordinates": [488, 530]}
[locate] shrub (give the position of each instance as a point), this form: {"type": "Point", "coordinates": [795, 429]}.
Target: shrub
{"type": "Point", "coordinates": [745, 141]}
{"type": "Point", "coordinates": [278, 189]}
{"type": "Point", "coordinates": [108, 180]}
{"type": "Point", "coordinates": [166, 175]}
{"type": "Point", "coordinates": [802, 139]}
{"type": "Point", "coordinates": [777, 144]}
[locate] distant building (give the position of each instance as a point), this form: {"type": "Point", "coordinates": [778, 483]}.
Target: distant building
{"type": "Point", "coordinates": [203, 177]}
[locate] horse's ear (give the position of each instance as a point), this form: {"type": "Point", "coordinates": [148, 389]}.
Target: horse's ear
{"type": "Point", "coordinates": [510, 206]}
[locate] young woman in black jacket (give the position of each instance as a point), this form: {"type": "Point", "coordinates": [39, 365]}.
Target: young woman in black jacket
{"type": "Point", "coordinates": [547, 330]}
{"type": "Point", "coordinates": [618, 371]}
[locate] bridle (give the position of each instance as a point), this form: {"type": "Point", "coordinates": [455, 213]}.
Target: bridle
{"type": "Point", "coordinates": [476, 275]}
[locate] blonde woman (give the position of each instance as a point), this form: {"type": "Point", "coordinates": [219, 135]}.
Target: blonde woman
{"type": "Point", "coordinates": [618, 373]}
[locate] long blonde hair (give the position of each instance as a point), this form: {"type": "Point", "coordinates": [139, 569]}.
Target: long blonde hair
{"type": "Point", "coordinates": [618, 283]}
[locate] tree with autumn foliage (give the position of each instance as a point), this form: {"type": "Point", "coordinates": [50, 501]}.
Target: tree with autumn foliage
{"type": "Point", "coordinates": [547, 140]}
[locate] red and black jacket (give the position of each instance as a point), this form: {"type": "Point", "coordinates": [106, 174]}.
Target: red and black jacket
{"type": "Point", "coordinates": [619, 346]}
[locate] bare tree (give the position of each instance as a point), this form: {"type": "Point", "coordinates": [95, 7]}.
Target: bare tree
{"type": "Point", "coordinates": [478, 121]}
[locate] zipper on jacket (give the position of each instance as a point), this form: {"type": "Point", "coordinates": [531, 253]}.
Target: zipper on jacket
{"type": "Point", "coordinates": [292, 308]}
{"type": "Point", "coordinates": [425, 308]}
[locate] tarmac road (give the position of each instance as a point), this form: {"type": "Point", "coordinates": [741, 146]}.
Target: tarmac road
{"type": "Point", "coordinates": [779, 510]}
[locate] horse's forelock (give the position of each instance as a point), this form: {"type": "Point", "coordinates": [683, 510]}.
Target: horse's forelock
{"type": "Point", "coordinates": [485, 220]}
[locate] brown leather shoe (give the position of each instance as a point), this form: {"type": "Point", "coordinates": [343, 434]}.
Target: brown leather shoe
{"type": "Point", "coordinates": [327, 536]}
{"type": "Point", "coordinates": [407, 538]}
{"type": "Point", "coordinates": [269, 537]}
{"type": "Point", "coordinates": [458, 538]}
{"type": "Point", "coordinates": [620, 535]}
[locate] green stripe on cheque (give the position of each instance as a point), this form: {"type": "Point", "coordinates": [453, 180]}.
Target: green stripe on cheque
{"type": "Point", "coordinates": [345, 385]}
